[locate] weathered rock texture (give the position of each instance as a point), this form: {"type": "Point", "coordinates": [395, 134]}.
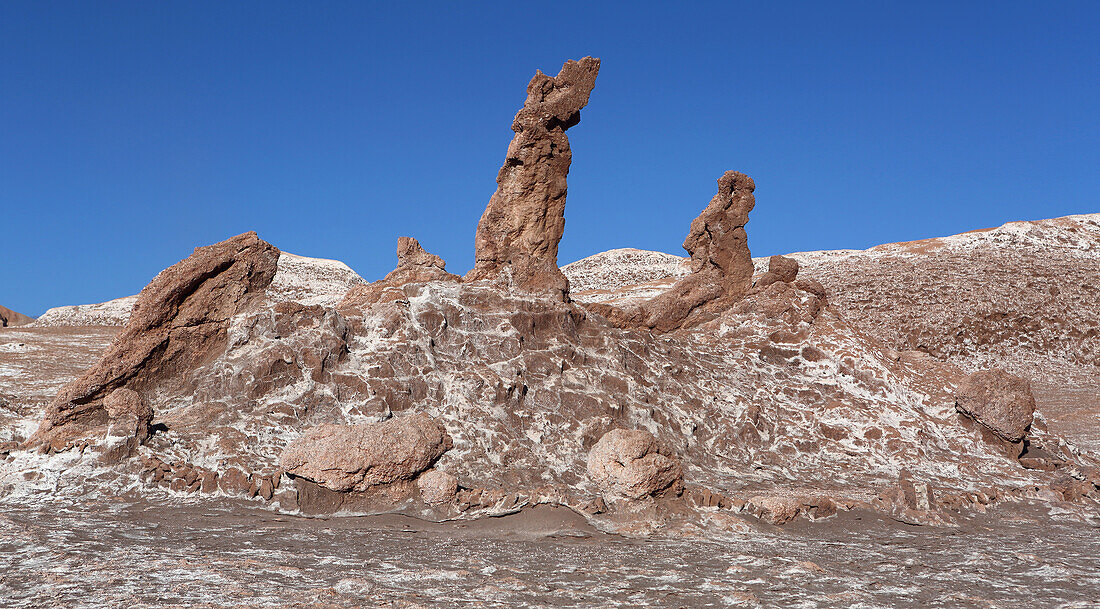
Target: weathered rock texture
{"type": "Point", "coordinates": [630, 463]}
{"type": "Point", "coordinates": [178, 323]}
{"type": "Point", "coordinates": [9, 318]}
{"type": "Point", "coordinates": [358, 457]}
{"type": "Point", "coordinates": [999, 400]}
{"type": "Point", "coordinates": [436, 487]}
{"type": "Point", "coordinates": [519, 232]}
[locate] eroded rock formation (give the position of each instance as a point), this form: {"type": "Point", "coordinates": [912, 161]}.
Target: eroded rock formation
{"type": "Point", "coordinates": [767, 400]}
{"type": "Point", "coordinates": [414, 265]}
{"type": "Point", "coordinates": [358, 457]}
{"type": "Point", "coordinates": [721, 265]}
{"type": "Point", "coordinates": [519, 232]}
{"type": "Point", "coordinates": [998, 400]}
{"type": "Point", "coordinates": [179, 321]}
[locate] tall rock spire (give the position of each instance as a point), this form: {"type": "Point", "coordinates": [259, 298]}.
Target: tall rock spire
{"type": "Point", "coordinates": [518, 234]}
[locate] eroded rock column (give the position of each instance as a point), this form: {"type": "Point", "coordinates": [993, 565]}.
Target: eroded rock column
{"type": "Point", "coordinates": [517, 236]}
{"type": "Point", "coordinates": [721, 265]}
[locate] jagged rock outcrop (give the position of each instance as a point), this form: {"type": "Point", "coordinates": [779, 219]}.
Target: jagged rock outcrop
{"type": "Point", "coordinates": [414, 265]}
{"type": "Point", "coordinates": [998, 400]}
{"type": "Point", "coordinates": [631, 463]}
{"type": "Point", "coordinates": [9, 318]}
{"type": "Point", "coordinates": [179, 322]}
{"type": "Point", "coordinates": [518, 233]}
{"type": "Point", "coordinates": [358, 457]}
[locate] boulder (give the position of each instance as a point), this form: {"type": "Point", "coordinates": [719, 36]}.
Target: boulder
{"type": "Point", "coordinates": [179, 322]}
{"type": "Point", "coordinates": [357, 457]}
{"type": "Point", "coordinates": [632, 464]}
{"type": "Point", "coordinates": [437, 487]}
{"type": "Point", "coordinates": [128, 409]}
{"type": "Point", "coordinates": [9, 318]}
{"type": "Point", "coordinates": [1000, 401]}
{"type": "Point", "coordinates": [517, 236]}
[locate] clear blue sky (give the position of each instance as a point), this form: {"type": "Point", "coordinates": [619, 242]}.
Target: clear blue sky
{"type": "Point", "coordinates": [132, 132]}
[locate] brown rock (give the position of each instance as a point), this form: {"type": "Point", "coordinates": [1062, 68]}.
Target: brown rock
{"type": "Point", "coordinates": [129, 408]}
{"type": "Point", "coordinates": [631, 464]}
{"type": "Point", "coordinates": [179, 322]}
{"type": "Point", "coordinates": [233, 482]}
{"type": "Point", "coordinates": [721, 265]}
{"type": "Point", "coordinates": [414, 265]}
{"type": "Point", "coordinates": [9, 318]}
{"type": "Point", "coordinates": [780, 268]}
{"type": "Point", "coordinates": [437, 487]}
{"type": "Point", "coordinates": [519, 232]}
{"type": "Point", "coordinates": [357, 457]}
{"type": "Point", "coordinates": [775, 510]}
{"type": "Point", "coordinates": [786, 269]}
{"type": "Point", "coordinates": [998, 400]}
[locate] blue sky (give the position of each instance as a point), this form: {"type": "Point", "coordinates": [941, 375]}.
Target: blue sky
{"type": "Point", "coordinates": [132, 132]}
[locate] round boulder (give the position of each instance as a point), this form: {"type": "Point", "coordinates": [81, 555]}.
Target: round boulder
{"type": "Point", "coordinates": [631, 463]}
{"type": "Point", "coordinates": [437, 487]}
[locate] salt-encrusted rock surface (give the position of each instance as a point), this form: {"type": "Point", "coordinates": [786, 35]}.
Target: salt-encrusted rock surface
{"type": "Point", "coordinates": [111, 313]}
{"type": "Point", "coordinates": [311, 281]}
{"type": "Point", "coordinates": [10, 319]}
{"type": "Point", "coordinates": [625, 273]}
{"type": "Point", "coordinates": [517, 237]}
{"type": "Point", "coordinates": [777, 397]}
{"type": "Point", "coordinates": [1024, 297]}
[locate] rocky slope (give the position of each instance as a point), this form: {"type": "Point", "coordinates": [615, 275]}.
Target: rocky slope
{"type": "Point", "coordinates": [1024, 296]}
{"type": "Point", "coordinates": [726, 396]}
{"type": "Point", "coordinates": [311, 281]}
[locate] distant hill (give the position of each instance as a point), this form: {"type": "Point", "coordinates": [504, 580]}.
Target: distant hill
{"type": "Point", "coordinates": [11, 318]}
